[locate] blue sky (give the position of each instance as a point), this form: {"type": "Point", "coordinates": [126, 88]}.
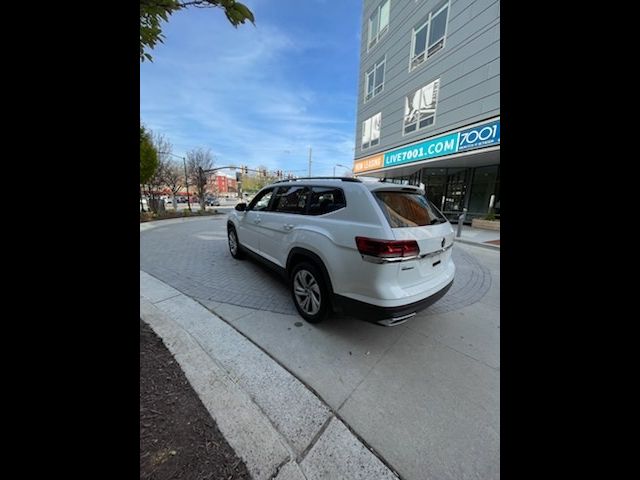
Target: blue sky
{"type": "Point", "coordinates": [259, 95]}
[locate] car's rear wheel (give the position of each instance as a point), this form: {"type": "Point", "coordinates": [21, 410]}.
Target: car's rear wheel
{"type": "Point", "coordinates": [234, 246]}
{"type": "Point", "coordinates": [310, 294]}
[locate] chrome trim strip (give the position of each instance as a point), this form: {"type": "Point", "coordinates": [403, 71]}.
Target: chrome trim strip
{"type": "Point", "coordinates": [380, 260]}
{"type": "Point", "coordinates": [437, 252]}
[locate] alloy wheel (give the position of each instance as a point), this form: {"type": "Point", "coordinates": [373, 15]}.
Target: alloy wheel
{"type": "Point", "coordinates": [307, 292]}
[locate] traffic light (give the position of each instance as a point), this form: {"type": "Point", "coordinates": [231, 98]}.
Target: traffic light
{"type": "Point", "coordinates": [244, 170]}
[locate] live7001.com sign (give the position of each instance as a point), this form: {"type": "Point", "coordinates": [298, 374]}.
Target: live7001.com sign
{"type": "Point", "coordinates": [480, 136]}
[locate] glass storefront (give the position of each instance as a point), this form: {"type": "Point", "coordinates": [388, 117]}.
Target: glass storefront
{"type": "Point", "coordinates": [452, 189]}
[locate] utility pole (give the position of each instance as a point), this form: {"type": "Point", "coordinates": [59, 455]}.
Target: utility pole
{"type": "Point", "coordinates": [186, 182]}
{"type": "Point", "coordinates": [309, 160]}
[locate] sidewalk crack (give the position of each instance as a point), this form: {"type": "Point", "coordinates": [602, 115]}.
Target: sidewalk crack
{"type": "Point", "coordinates": [314, 440]}
{"type": "Point", "coordinates": [282, 464]}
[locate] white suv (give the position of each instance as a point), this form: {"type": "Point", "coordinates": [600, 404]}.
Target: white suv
{"type": "Point", "coordinates": [376, 250]}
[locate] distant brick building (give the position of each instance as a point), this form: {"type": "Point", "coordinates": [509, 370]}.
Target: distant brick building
{"type": "Point", "coordinates": [223, 185]}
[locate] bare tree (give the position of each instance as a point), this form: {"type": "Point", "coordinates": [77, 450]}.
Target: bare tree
{"type": "Point", "coordinates": [156, 184]}
{"type": "Point", "coordinates": [159, 180]}
{"type": "Point", "coordinates": [198, 160]}
{"type": "Point", "coordinates": [163, 146]}
{"type": "Point", "coordinates": [173, 178]}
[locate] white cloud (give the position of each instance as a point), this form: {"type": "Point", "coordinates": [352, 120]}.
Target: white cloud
{"type": "Point", "coordinates": [233, 92]}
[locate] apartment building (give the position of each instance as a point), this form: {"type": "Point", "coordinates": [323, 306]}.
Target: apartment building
{"type": "Point", "coordinates": [429, 100]}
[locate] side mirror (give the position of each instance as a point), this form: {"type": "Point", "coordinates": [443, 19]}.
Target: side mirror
{"type": "Point", "coordinates": [241, 207]}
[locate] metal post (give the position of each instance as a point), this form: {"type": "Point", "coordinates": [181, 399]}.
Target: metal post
{"type": "Point", "coordinates": [460, 222]}
{"type": "Point", "coordinates": [202, 187]}
{"type": "Point", "coordinates": [186, 181]}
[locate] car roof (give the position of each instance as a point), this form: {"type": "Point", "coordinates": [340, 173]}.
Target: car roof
{"type": "Point", "coordinates": [370, 184]}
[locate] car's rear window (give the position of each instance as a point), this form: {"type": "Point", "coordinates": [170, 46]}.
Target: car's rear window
{"type": "Point", "coordinates": [406, 209]}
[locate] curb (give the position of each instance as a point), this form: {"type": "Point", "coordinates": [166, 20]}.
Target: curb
{"type": "Point", "coordinates": [478, 244]}
{"type": "Point", "coordinates": [279, 427]}
{"type": "Point", "coordinates": [169, 221]}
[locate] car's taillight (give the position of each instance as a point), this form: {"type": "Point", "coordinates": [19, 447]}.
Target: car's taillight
{"type": "Point", "coordinates": [387, 248]}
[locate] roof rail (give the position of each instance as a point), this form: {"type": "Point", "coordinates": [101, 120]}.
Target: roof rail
{"type": "Point", "coordinates": [344, 179]}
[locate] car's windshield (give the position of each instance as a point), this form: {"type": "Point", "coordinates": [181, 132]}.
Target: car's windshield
{"type": "Point", "coordinates": [408, 209]}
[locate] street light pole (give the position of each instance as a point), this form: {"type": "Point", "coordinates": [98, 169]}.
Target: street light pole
{"type": "Point", "coordinates": [338, 165]}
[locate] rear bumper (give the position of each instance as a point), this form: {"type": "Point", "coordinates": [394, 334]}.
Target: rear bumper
{"type": "Point", "coordinates": [387, 316]}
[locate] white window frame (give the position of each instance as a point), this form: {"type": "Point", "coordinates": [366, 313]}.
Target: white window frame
{"type": "Point", "coordinates": [436, 94]}
{"type": "Point", "coordinates": [368, 125]}
{"type": "Point", "coordinates": [368, 95]}
{"type": "Point", "coordinates": [372, 42]}
{"type": "Point", "coordinates": [427, 24]}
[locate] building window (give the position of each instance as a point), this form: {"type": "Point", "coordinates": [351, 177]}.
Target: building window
{"type": "Point", "coordinates": [374, 80]}
{"type": "Point", "coordinates": [428, 37]}
{"type": "Point", "coordinates": [420, 107]}
{"type": "Point", "coordinates": [378, 24]}
{"type": "Point", "coordinates": [371, 131]}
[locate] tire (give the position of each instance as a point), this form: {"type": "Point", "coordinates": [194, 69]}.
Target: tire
{"type": "Point", "coordinates": [307, 283]}
{"type": "Point", "coordinates": [234, 245]}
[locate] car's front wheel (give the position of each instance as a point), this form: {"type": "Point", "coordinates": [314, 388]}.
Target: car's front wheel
{"type": "Point", "coordinates": [234, 246]}
{"type": "Point", "coordinates": [310, 294]}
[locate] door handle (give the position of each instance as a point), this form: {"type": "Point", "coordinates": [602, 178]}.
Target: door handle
{"type": "Point", "coordinates": [288, 226]}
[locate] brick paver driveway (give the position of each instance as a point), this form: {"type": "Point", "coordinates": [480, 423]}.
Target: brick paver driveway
{"type": "Point", "coordinates": [192, 256]}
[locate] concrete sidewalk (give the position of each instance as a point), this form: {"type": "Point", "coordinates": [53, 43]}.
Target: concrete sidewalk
{"type": "Point", "coordinates": [273, 421]}
{"type": "Point", "coordinates": [478, 237]}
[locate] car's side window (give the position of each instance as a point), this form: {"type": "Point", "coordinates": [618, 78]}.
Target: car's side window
{"type": "Point", "coordinates": [325, 200]}
{"type": "Point", "coordinates": [292, 199]}
{"type": "Point", "coordinates": [261, 201]}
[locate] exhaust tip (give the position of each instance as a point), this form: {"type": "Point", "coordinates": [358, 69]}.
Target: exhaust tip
{"type": "Point", "coordinates": [393, 321]}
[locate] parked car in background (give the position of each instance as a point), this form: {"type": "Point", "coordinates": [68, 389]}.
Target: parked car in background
{"type": "Point", "coordinates": [376, 250]}
{"type": "Point", "coordinates": [212, 202]}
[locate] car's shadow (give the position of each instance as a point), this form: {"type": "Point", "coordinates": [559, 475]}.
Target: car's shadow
{"type": "Point", "coordinates": [335, 320]}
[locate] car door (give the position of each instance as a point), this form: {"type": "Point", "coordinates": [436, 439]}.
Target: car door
{"type": "Point", "coordinates": [249, 229]}
{"type": "Point", "coordinates": [278, 225]}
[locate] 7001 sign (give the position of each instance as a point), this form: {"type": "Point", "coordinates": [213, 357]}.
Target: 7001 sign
{"type": "Point", "coordinates": [480, 136]}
